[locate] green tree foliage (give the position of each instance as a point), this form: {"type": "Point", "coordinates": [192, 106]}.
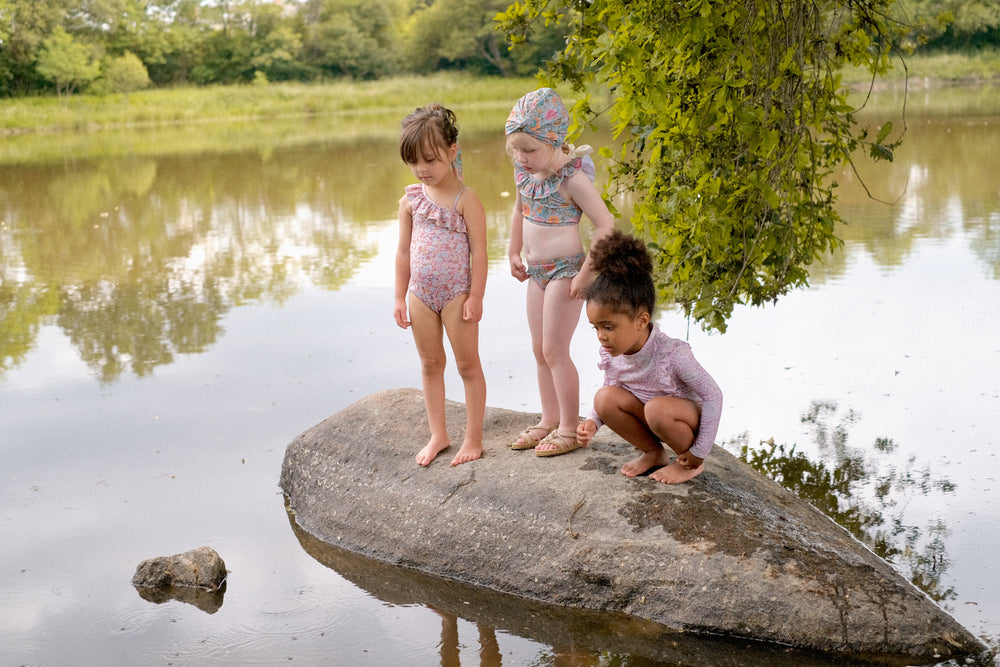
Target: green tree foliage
{"type": "Point", "coordinates": [66, 62]}
{"type": "Point", "coordinates": [26, 23]}
{"type": "Point", "coordinates": [227, 41]}
{"type": "Point", "coordinates": [176, 50]}
{"type": "Point", "coordinates": [952, 24]}
{"type": "Point", "coordinates": [277, 55]}
{"type": "Point", "coordinates": [136, 28]}
{"type": "Point", "coordinates": [461, 34]}
{"type": "Point", "coordinates": [126, 74]}
{"type": "Point", "coordinates": [731, 121]}
{"type": "Point", "coordinates": [351, 37]}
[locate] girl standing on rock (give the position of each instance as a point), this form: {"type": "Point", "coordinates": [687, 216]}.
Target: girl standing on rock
{"type": "Point", "coordinates": [441, 262]}
{"type": "Point", "coordinates": [655, 393]}
{"type": "Point", "coordinates": [555, 187]}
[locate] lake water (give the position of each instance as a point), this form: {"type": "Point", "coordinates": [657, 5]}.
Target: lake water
{"type": "Point", "coordinates": [172, 319]}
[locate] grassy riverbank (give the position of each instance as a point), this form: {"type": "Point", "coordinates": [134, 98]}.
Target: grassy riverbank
{"type": "Point", "coordinates": [190, 105]}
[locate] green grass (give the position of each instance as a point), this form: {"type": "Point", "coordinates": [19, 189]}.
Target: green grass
{"type": "Point", "coordinates": [248, 102]}
{"type": "Point", "coordinates": [935, 69]}
{"type": "Point", "coordinates": [191, 105]}
{"type": "Point", "coordinates": [226, 118]}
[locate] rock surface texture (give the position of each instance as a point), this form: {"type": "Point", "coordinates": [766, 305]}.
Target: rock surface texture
{"type": "Point", "coordinates": [198, 568]}
{"type": "Point", "coordinates": [728, 553]}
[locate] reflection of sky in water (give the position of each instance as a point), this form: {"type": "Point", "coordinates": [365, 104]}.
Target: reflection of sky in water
{"type": "Point", "coordinates": [914, 351]}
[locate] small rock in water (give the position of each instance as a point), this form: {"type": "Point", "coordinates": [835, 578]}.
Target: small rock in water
{"type": "Point", "coordinates": [198, 568]}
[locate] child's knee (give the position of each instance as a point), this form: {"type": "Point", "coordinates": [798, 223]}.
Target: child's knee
{"type": "Point", "coordinates": [606, 401]}
{"type": "Point", "coordinates": [433, 365]}
{"type": "Point", "coordinates": [468, 370]}
{"type": "Point", "coordinates": [556, 355]}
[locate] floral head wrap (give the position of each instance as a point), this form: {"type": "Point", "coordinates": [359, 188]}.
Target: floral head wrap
{"type": "Point", "coordinates": [542, 114]}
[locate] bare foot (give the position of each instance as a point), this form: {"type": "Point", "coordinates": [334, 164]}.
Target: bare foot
{"type": "Point", "coordinates": [468, 452]}
{"type": "Point", "coordinates": [645, 462]}
{"type": "Point", "coordinates": [675, 473]}
{"type": "Point", "coordinates": [431, 450]}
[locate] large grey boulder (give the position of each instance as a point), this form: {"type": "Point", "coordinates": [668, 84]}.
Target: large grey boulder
{"type": "Point", "coordinates": [728, 553]}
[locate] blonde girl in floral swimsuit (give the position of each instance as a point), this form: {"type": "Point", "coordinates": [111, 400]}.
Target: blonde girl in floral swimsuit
{"type": "Point", "coordinates": [441, 262]}
{"type": "Point", "coordinates": [555, 188]}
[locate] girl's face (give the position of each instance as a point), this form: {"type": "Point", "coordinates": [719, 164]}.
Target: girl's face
{"type": "Point", "coordinates": [618, 333]}
{"type": "Point", "coordinates": [530, 154]}
{"type": "Point", "coordinates": [433, 164]}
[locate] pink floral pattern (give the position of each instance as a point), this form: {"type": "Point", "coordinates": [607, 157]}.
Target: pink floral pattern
{"type": "Point", "coordinates": [666, 366]}
{"type": "Point", "coordinates": [440, 268]}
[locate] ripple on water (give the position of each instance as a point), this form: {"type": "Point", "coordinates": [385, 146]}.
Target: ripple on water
{"type": "Point", "coordinates": [309, 623]}
{"type": "Point", "coordinates": [24, 495]}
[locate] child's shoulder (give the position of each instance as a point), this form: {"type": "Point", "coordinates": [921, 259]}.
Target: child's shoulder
{"type": "Point", "coordinates": [668, 345]}
{"type": "Point", "coordinates": [468, 201]}
{"type": "Point", "coordinates": [581, 164]}
{"type": "Point", "coordinates": [577, 175]}
{"type": "Point", "coordinates": [413, 190]}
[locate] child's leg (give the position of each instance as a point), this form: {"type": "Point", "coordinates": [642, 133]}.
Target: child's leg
{"type": "Point", "coordinates": [464, 337]}
{"type": "Point", "coordinates": [675, 422]}
{"type": "Point", "coordinates": [428, 336]}
{"type": "Point", "coordinates": [546, 386]}
{"type": "Point", "coordinates": [560, 316]}
{"type": "Point", "coordinates": [625, 415]}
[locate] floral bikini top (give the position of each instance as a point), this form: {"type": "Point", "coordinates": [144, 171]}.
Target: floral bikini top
{"type": "Point", "coordinates": [541, 202]}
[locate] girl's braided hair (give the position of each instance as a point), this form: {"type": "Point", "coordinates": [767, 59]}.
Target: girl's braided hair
{"type": "Point", "coordinates": [624, 269]}
{"type": "Point", "coordinates": [430, 126]}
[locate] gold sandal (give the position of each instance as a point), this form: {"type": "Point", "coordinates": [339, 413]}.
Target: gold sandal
{"type": "Point", "coordinates": [528, 439]}
{"type": "Point", "coordinates": [564, 442]}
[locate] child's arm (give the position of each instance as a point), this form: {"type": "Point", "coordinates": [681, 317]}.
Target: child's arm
{"type": "Point", "coordinates": [403, 262]}
{"type": "Point", "coordinates": [589, 427]}
{"type": "Point", "coordinates": [475, 225]}
{"type": "Point", "coordinates": [517, 268]}
{"type": "Point", "coordinates": [584, 194]}
{"type": "Point", "coordinates": [692, 374]}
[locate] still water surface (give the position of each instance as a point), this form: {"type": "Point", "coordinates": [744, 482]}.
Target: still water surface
{"type": "Point", "coordinates": [171, 320]}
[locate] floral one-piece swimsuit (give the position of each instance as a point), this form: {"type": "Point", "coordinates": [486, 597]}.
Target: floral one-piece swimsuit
{"type": "Point", "coordinates": [440, 269]}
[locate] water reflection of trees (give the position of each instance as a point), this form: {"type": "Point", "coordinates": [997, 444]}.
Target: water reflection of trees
{"type": "Point", "coordinates": [138, 258]}
{"type": "Point", "coordinates": [938, 187]}
{"type": "Point", "coordinates": [861, 491]}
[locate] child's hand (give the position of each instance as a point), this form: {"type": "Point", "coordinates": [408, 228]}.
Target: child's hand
{"type": "Point", "coordinates": [689, 460]}
{"type": "Point", "coordinates": [399, 312]}
{"type": "Point", "coordinates": [585, 431]}
{"type": "Point", "coordinates": [472, 310]}
{"type": "Point", "coordinates": [517, 268]}
{"type": "Point", "coordinates": [580, 282]}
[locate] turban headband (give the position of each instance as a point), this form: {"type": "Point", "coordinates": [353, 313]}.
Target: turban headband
{"type": "Point", "coordinates": [541, 114]}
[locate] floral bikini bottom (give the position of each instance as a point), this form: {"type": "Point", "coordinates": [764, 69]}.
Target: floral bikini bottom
{"type": "Point", "coordinates": [561, 267]}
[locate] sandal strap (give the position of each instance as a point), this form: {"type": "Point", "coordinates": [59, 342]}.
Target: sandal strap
{"type": "Point", "coordinates": [528, 436]}
{"type": "Point", "coordinates": [563, 444]}
{"type": "Point", "coordinates": [560, 440]}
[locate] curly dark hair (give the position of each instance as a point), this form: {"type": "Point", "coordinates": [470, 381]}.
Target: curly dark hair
{"type": "Point", "coordinates": [432, 125]}
{"type": "Point", "coordinates": [624, 269]}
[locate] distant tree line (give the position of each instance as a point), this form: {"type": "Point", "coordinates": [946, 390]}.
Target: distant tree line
{"type": "Point", "coordinates": [66, 46]}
